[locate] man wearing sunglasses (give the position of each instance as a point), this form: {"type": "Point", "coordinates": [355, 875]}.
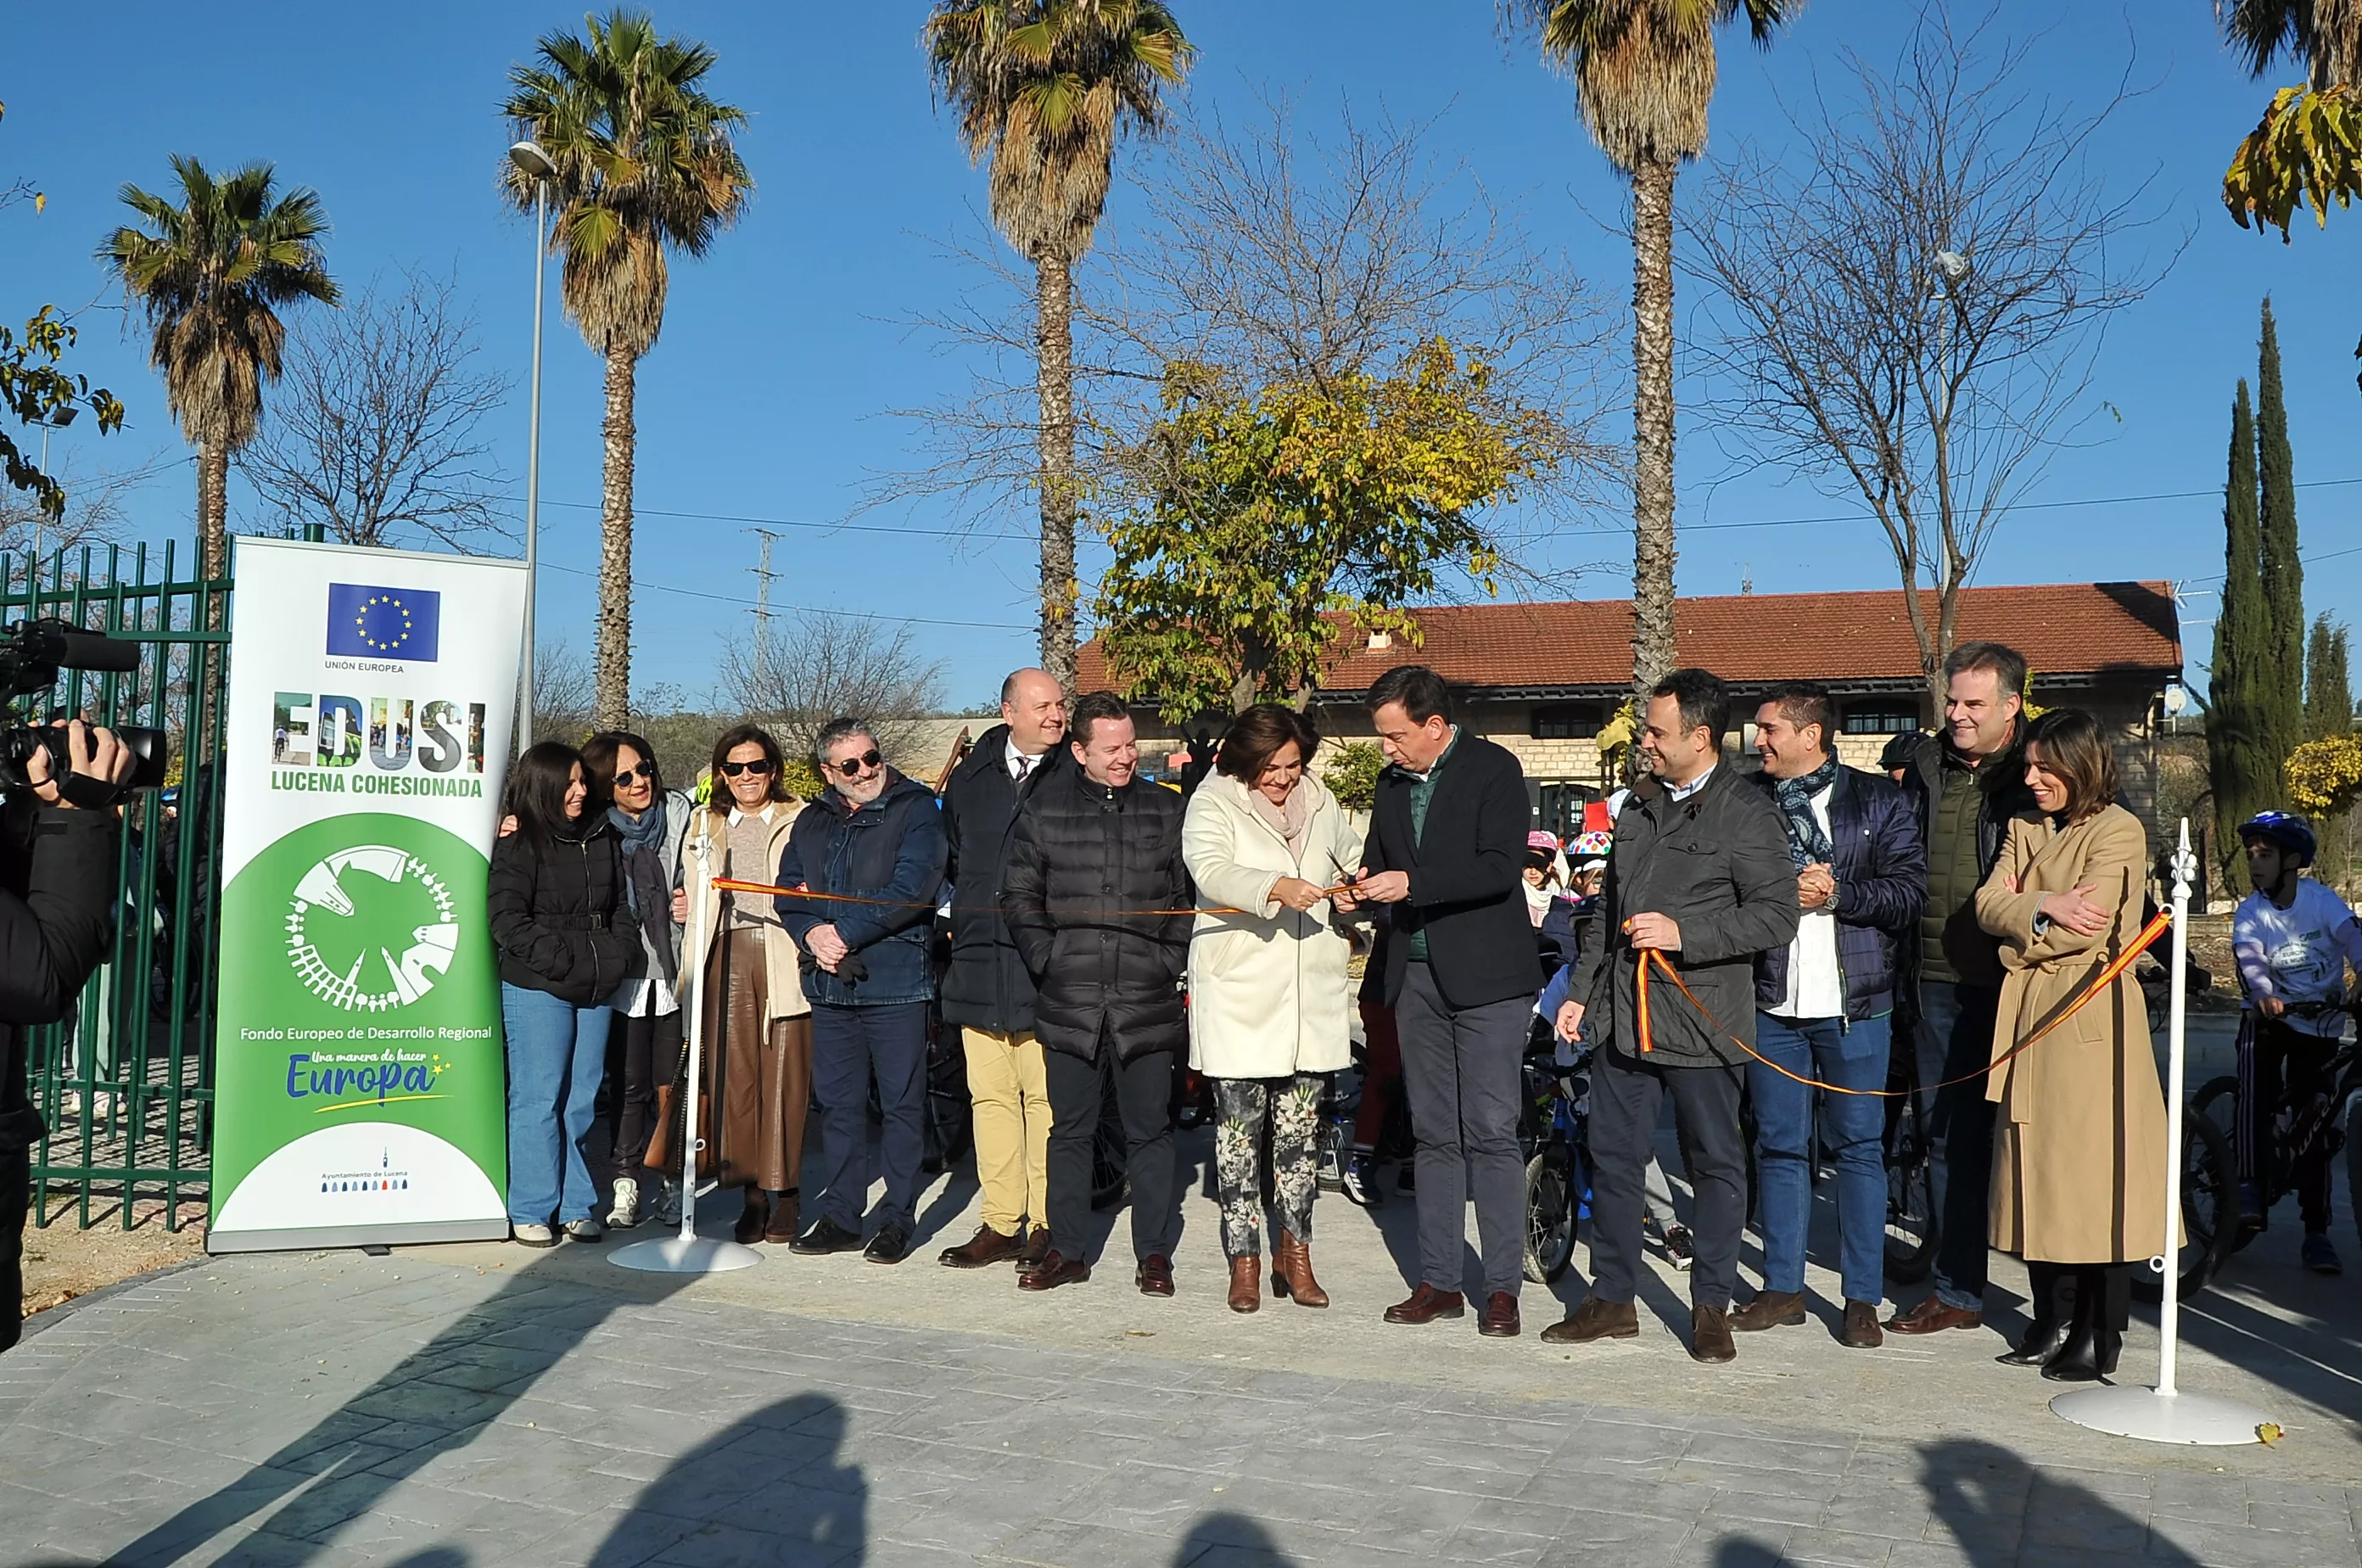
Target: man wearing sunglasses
{"type": "Point", "coordinates": [870, 854]}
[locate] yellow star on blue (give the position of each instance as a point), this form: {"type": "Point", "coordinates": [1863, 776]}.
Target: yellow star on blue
{"type": "Point", "coordinates": [361, 622]}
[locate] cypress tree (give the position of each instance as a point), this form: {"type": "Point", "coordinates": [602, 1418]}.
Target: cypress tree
{"type": "Point", "coordinates": [2278, 697]}
{"type": "Point", "coordinates": [2328, 695]}
{"type": "Point", "coordinates": [2242, 779]}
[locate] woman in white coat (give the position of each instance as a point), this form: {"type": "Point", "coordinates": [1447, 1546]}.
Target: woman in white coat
{"type": "Point", "coordinates": [1268, 997]}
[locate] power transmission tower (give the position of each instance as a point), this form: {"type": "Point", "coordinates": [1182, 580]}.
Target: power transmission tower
{"type": "Point", "coordinates": [763, 575]}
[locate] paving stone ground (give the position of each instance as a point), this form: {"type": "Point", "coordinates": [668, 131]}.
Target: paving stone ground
{"type": "Point", "coordinates": [457, 1407]}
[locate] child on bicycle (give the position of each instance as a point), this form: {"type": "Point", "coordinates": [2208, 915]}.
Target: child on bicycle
{"type": "Point", "coordinates": [2292, 938]}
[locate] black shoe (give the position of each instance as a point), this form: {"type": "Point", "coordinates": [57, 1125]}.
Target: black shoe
{"type": "Point", "coordinates": [2077, 1362]}
{"type": "Point", "coordinates": [825, 1236]}
{"type": "Point", "coordinates": [890, 1245]}
{"type": "Point", "coordinates": [2044, 1337]}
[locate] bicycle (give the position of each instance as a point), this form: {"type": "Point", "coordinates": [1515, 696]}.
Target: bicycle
{"type": "Point", "coordinates": [1550, 1135]}
{"type": "Point", "coordinates": [2325, 1121]}
{"type": "Point", "coordinates": [1914, 1229]}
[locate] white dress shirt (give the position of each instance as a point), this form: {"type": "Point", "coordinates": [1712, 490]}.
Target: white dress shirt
{"type": "Point", "coordinates": [1815, 986]}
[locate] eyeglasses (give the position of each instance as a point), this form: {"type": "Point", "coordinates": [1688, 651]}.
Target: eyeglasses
{"type": "Point", "coordinates": [760, 768]}
{"type": "Point", "coordinates": [855, 767]}
{"type": "Point", "coordinates": [646, 771]}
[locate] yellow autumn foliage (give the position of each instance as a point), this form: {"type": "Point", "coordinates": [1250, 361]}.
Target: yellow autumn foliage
{"type": "Point", "coordinates": [2325, 776]}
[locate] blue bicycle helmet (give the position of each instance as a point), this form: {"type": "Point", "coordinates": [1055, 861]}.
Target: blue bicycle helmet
{"type": "Point", "coordinates": [2288, 830]}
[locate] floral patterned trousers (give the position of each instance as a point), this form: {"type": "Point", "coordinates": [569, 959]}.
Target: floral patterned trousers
{"type": "Point", "coordinates": [1242, 1109]}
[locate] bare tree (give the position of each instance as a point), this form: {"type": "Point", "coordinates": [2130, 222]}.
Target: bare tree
{"type": "Point", "coordinates": [562, 687]}
{"type": "Point", "coordinates": [1268, 256]}
{"type": "Point", "coordinates": [809, 668]}
{"type": "Point", "coordinates": [1913, 295]}
{"type": "Point", "coordinates": [375, 434]}
{"type": "Point", "coordinates": [97, 510]}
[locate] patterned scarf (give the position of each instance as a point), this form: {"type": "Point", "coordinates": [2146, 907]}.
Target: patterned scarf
{"type": "Point", "coordinates": [644, 881]}
{"type": "Point", "coordinates": [1808, 844]}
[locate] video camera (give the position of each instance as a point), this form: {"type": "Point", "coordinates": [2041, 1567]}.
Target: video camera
{"type": "Point", "coordinates": [31, 655]}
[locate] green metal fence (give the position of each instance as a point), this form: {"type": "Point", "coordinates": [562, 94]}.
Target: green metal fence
{"type": "Point", "coordinates": [125, 1083]}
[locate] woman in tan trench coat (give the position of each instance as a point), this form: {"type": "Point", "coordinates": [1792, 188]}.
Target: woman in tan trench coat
{"type": "Point", "coordinates": [2079, 1144]}
{"type": "Point", "coordinates": [761, 1031]}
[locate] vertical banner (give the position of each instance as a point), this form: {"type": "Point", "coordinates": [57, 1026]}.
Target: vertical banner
{"type": "Point", "coordinates": [358, 1085]}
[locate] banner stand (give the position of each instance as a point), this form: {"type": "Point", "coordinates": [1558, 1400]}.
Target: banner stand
{"type": "Point", "coordinates": [2164, 1414]}
{"type": "Point", "coordinates": [689, 1253]}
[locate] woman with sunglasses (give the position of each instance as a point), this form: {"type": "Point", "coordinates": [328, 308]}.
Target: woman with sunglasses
{"type": "Point", "coordinates": [554, 898]}
{"type": "Point", "coordinates": [643, 1048]}
{"type": "Point", "coordinates": [756, 1014]}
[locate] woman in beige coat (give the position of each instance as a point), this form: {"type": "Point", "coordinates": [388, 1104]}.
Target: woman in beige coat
{"type": "Point", "coordinates": [761, 1031]}
{"type": "Point", "coordinates": [1268, 996]}
{"type": "Point", "coordinates": [2078, 1146]}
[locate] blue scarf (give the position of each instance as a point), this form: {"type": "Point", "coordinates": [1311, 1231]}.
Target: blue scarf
{"type": "Point", "coordinates": [644, 881]}
{"type": "Point", "coordinates": [1808, 844]}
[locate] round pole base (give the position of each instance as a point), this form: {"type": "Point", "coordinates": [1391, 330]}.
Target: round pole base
{"type": "Point", "coordinates": [2199, 1418]}
{"type": "Point", "coordinates": [684, 1255]}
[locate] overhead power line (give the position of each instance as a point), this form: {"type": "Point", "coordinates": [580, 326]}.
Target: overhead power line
{"type": "Point", "coordinates": [639, 582]}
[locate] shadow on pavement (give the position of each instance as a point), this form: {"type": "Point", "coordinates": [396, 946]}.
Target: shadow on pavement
{"type": "Point", "coordinates": [434, 1401]}
{"type": "Point", "coordinates": [798, 1501]}
{"type": "Point", "coordinates": [1233, 1540]}
{"type": "Point", "coordinates": [1991, 1501]}
{"type": "Point", "coordinates": [2309, 1353]}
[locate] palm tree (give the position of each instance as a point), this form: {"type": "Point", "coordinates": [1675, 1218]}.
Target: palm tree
{"type": "Point", "coordinates": [210, 273]}
{"type": "Point", "coordinates": [2326, 34]}
{"type": "Point", "coordinates": [1041, 87]}
{"type": "Point", "coordinates": [644, 161]}
{"type": "Point", "coordinates": [1644, 72]}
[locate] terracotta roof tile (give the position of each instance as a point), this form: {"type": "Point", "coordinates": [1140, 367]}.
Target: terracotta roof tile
{"type": "Point", "coordinates": [2063, 629]}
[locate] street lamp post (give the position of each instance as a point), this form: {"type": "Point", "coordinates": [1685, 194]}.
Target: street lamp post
{"type": "Point", "coordinates": [535, 164]}
{"type": "Point", "coordinates": [56, 419]}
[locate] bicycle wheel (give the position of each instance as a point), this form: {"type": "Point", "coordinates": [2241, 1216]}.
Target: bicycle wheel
{"type": "Point", "coordinates": [2217, 1101]}
{"type": "Point", "coordinates": [1549, 1215]}
{"type": "Point", "coordinates": [2210, 1209]}
{"type": "Point", "coordinates": [1912, 1227]}
{"type": "Point", "coordinates": [949, 1116]}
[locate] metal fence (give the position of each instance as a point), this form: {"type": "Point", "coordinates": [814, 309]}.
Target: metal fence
{"type": "Point", "coordinates": [126, 1082]}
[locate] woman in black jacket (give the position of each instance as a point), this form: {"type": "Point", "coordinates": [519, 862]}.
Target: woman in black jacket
{"type": "Point", "coordinates": [555, 900]}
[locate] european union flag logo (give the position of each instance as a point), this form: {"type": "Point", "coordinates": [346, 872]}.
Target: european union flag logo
{"type": "Point", "coordinates": [383, 622]}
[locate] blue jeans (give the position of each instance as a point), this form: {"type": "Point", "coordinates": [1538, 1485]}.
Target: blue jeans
{"type": "Point", "coordinates": [1850, 1057]}
{"type": "Point", "coordinates": [1955, 1037]}
{"type": "Point", "coordinates": [558, 1056]}
{"type": "Point", "coordinates": [849, 1044]}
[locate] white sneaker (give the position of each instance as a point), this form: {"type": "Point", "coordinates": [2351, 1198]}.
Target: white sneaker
{"type": "Point", "coordinates": [626, 1211]}
{"type": "Point", "coordinates": [666, 1211]}
{"type": "Point", "coordinates": [584, 1229]}
{"type": "Point", "coordinates": [533, 1235]}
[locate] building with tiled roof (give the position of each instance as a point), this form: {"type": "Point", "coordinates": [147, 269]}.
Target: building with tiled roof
{"type": "Point", "coordinates": [1540, 678]}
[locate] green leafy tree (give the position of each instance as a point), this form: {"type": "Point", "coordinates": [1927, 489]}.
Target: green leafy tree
{"type": "Point", "coordinates": [35, 389]}
{"type": "Point", "coordinates": [1353, 775]}
{"type": "Point", "coordinates": [2328, 689]}
{"type": "Point", "coordinates": [2242, 769]}
{"type": "Point", "coordinates": [2280, 698]}
{"type": "Point", "coordinates": [1644, 74]}
{"type": "Point", "coordinates": [644, 164]}
{"type": "Point", "coordinates": [1274, 524]}
{"type": "Point", "coordinates": [1042, 88]}
{"type": "Point", "coordinates": [2307, 149]}
{"type": "Point", "coordinates": [211, 271]}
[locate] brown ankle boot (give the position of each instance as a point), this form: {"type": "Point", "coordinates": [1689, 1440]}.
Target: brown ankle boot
{"type": "Point", "coordinates": [753, 1218]}
{"type": "Point", "coordinates": [1291, 1272]}
{"type": "Point", "coordinates": [1246, 1283]}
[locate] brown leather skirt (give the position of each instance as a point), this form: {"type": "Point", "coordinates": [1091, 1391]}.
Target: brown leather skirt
{"type": "Point", "coordinates": [762, 1077]}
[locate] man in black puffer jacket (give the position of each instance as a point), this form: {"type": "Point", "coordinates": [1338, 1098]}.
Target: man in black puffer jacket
{"type": "Point", "coordinates": [1096, 853]}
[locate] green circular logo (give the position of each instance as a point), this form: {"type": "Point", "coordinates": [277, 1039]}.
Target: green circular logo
{"type": "Point", "coordinates": [371, 929]}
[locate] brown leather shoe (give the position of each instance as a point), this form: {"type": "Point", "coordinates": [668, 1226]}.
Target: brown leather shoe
{"type": "Point", "coordinates": [1860, 1330]}
{"type": "Point", "coordinates": [1596, 1319]}
{"type": "Point", "coordinates": [1710, 1338]}
{"type": "Point", "coordinates": [1155, 1275]}
{"type": "Point", "coordinates": [753, 1219]}
{"type": "Point", "coordinates": [1427, 1304]}
{"type": "Point", "coordinates": [1932, 1317]}
{"type": "Point", "coordinates": [1500, 1319]}
{"type": "Point", "coordinates": [986, 1246]}
{"type": "Point", "coordinates": [1291, 1272]}
{"type": "Point", "coordinates": [1769, 1310]}
{"type": "Point", "coordinates": [1246, 1284]}
{"type": "Point", "coordinates": [1037, 1247]}
{"type": "Point", "coordinates": [1056, 1269]}
{"type": "Point", "coordinates": [787, 1219]}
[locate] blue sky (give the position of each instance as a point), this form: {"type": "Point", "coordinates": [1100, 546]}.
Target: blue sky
{"type": "Point", "coordinates": [782, 352]}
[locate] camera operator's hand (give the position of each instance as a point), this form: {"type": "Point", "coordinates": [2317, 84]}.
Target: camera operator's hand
{"type": "Point", "coordinates": [92, 751]}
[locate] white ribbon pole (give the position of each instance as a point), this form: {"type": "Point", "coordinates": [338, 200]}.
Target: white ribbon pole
{"type": "Point", "coordinates": [2164, 1414]}
{"type": "Point", "coordinates": [688, 1253]}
